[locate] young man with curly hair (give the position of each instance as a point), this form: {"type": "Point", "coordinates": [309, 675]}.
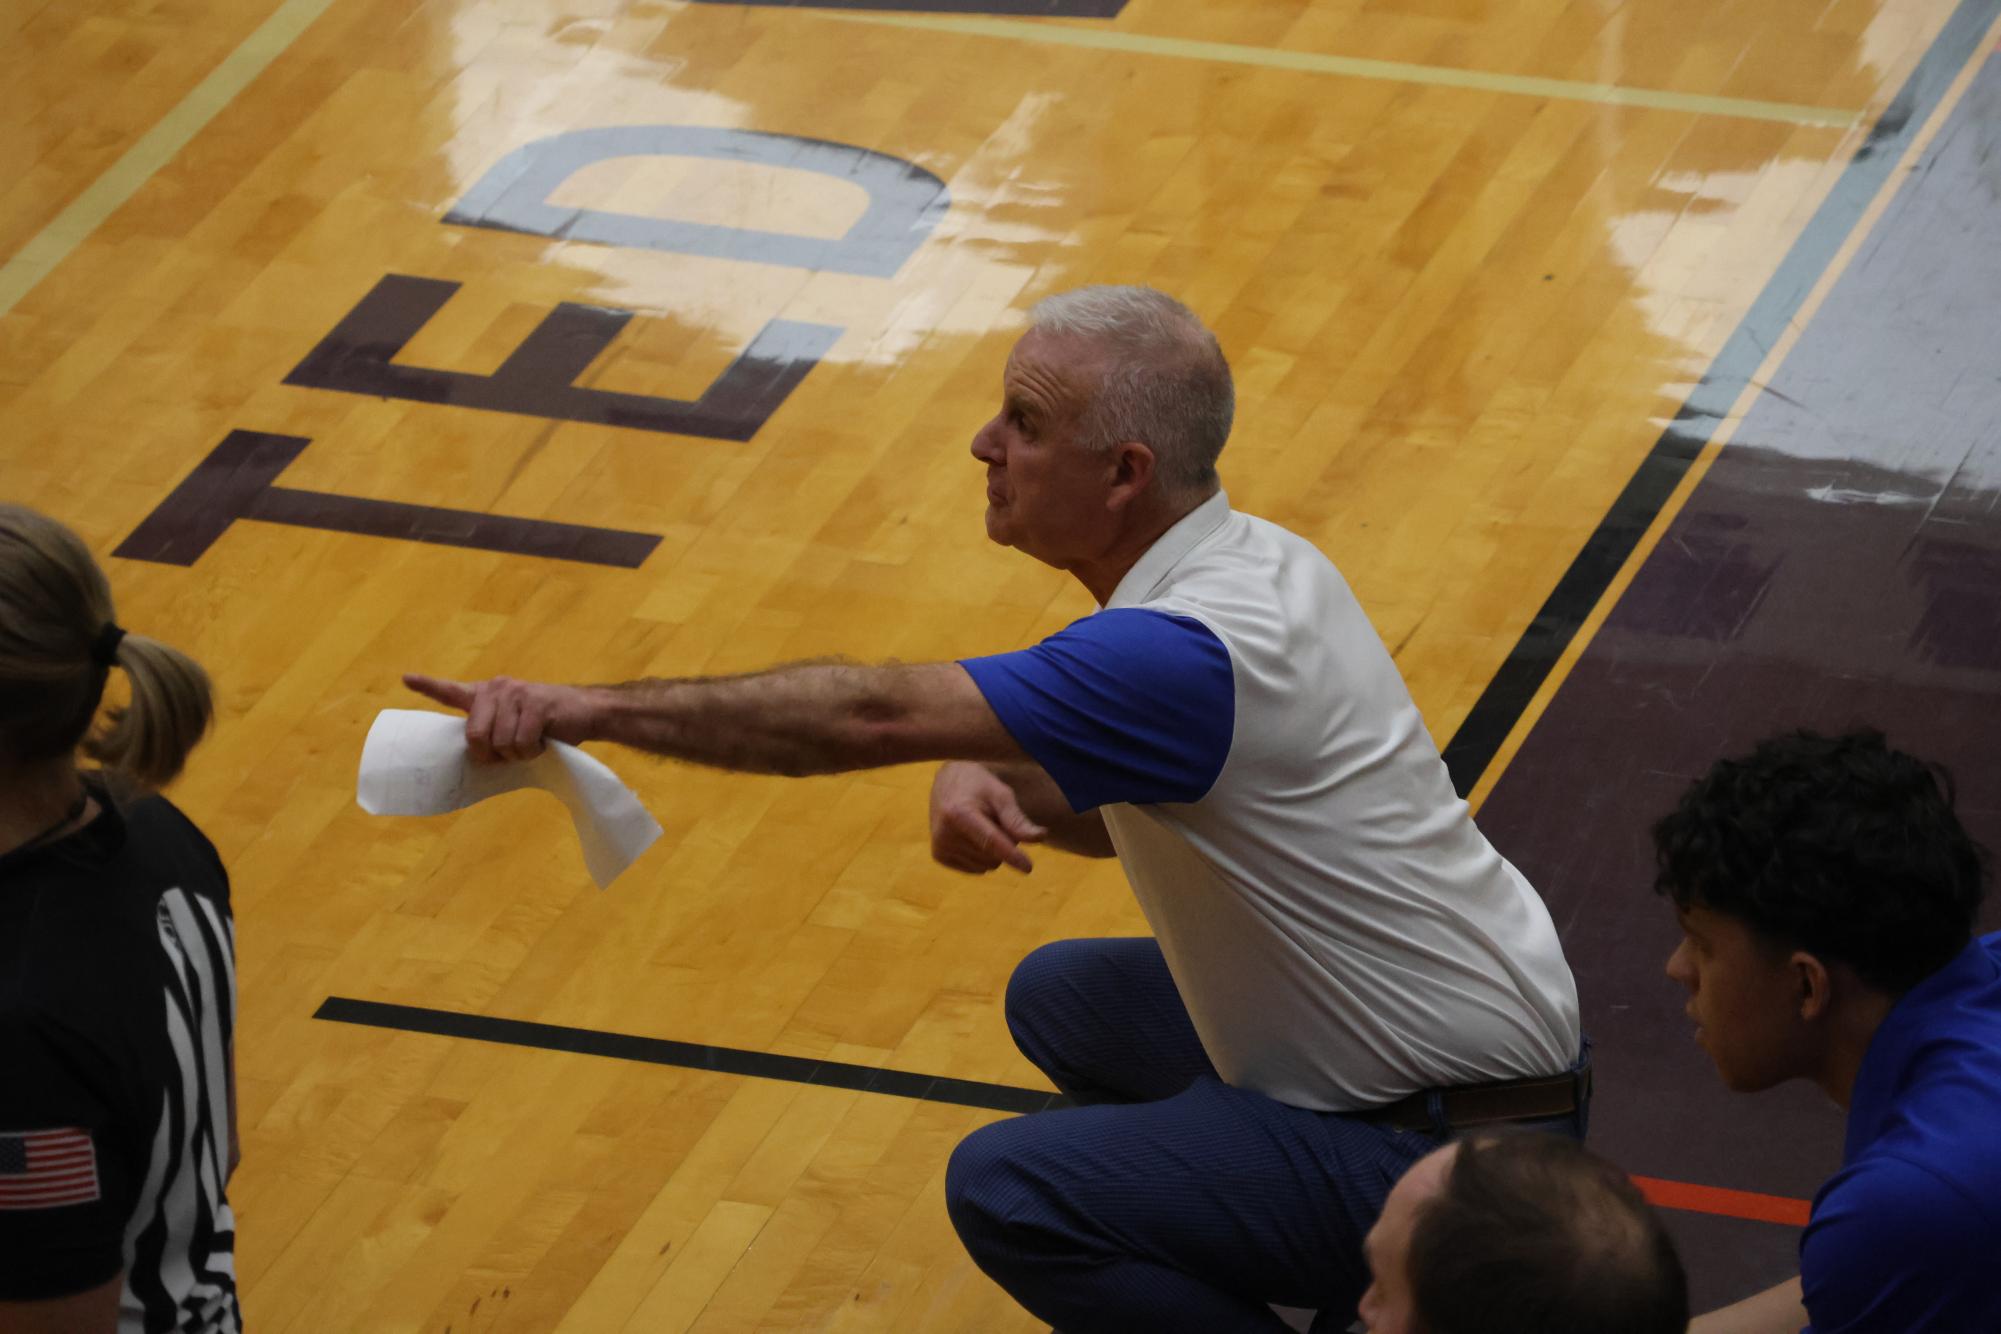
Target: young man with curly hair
{"type": "Point", "coordinates": [1827, 895]}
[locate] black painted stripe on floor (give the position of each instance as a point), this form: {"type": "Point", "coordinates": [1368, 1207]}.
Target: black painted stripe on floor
{"type": "Point", "coordinates": [1507, 696]}
{"type": "Point", "coordinates": [690, 1055]}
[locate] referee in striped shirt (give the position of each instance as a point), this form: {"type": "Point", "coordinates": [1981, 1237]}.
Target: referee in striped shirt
{"type": "Point", "coordinates": [117, 971]}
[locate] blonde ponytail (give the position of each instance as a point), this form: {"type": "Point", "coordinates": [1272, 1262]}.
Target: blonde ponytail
{"type": "Point", "coordinates": [150, 738]}
{"type": "Point", "coordinates": [56, 647]}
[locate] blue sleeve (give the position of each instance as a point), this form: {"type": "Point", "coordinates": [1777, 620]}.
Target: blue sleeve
{"type": "Point", "coordinates": [1893, 1246]}
{"type": "Point", "coordinates": [1128, 705]}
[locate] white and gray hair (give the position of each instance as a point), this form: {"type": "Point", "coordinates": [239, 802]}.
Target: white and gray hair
{"type": "Point", "coordinates": [1166, 384]}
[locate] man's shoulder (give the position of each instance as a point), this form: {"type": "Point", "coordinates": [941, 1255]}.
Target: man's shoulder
{"type": "Point", "coordinates": [1932, 1153]}
{"type": "Point", "coordinates": [1249, 573]}
{"type": "Point", "coordinates": [1922, 1163]}
{"type": "Point", "coordinates": [1938, 1071]}
{"type": "Point", "coordinates": [1244, 542]}
{"type": "Point", "coordinates": [1949, 1101]}
{"type": "Point", "coordinates": [1891, 1187]}
{"type": "Point", "coordinates": [1164, 636]}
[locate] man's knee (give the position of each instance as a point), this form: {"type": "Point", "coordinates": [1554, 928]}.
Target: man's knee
{"type": "Point", "coordinates": [983, 1185]}
{"type": "Point", "coordinates": [1037, 987]}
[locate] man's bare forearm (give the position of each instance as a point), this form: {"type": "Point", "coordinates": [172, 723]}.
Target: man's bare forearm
{"type": "Point", "coordinates": [1776, 1310]}
{"type": "Point", "coordinates": [806, 718]}
{"type": "Point", "coordinates": [1043, 802]}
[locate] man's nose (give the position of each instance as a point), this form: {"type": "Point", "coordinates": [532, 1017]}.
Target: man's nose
{"type": "Point", "coordinates": [1677, 967]}
{"type": "Point", "coordinates": [986, 447]}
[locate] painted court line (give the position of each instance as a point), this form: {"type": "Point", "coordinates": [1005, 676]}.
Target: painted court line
{"type": "Point", "coordinates": [687, 1055]}
{"type": "Point", "coordinates": [123, 179]}
{"type": "Point", "coordinates": [1354, 67]}
{"type": "Point", "coordinates": [1729, 1203]}
{"type": "Point", "coordinates": [871, 1079]}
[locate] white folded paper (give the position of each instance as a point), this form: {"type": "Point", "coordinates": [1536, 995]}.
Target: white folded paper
{"type": "Point", "coordinates": [415, 763]}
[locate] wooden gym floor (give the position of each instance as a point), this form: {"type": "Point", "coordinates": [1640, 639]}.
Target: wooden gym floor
{"type": "Point", "coordinates": [1496, 280]}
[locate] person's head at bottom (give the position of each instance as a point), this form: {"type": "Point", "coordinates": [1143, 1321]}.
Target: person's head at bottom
{"type": "Point", "coordinates": [1521, 1233]}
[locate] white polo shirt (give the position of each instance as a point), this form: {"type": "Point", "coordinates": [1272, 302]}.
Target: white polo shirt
{"type": "Point", "coordinates": [1341, 932]}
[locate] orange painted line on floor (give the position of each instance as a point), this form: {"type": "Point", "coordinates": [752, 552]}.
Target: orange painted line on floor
{"type": "Point", "coordinates": [1729, 1203]}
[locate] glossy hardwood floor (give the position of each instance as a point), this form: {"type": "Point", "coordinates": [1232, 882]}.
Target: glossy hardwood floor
{"type": "Point", "coordinates": [1460, 312]}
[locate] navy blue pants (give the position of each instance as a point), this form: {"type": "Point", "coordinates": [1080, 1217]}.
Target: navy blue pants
{"type": "Point", "coordinates": [1167, 1200]}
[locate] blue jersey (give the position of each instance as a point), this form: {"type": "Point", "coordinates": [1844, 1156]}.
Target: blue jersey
{"type": "Point", "coordinates": [1906, 1237]}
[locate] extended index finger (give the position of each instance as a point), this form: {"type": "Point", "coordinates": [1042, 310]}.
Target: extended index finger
{"type": "Point", "coordinates": [452, 694]}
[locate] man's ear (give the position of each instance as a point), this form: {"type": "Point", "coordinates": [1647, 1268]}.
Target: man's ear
{"type": "Point", "coordinates": [1813, 986]}
{"type": "Point", "coordinates": [1133, 467]}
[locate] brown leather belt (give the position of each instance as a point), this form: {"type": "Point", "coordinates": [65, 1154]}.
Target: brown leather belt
{"type": "Point", "coordinates": [1469, 1105]}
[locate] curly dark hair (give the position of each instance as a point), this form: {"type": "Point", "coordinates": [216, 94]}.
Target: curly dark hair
{"type": "Point", "coordinates": [1839, 846]}
{"type": "Point", "coordinates": [1532, 1234]}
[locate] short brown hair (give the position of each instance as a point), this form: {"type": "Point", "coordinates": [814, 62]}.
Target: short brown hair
{"type": "Point", "coordinates": [1531, 1234]}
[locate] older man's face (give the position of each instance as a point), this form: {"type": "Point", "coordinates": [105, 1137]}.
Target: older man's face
{"type": "Point", "coordinates": [1388, 1306]}
{"type": "Point", "coordinates": [1046, 493]}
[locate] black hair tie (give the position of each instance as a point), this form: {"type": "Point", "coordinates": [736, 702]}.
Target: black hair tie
{"type": "Point", "coordinates": [104, 649]}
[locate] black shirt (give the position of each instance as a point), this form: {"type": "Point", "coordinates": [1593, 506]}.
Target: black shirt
{"type": "Point", "coordinates": [117, 1015]}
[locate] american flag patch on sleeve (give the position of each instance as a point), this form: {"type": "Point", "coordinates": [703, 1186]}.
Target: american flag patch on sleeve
{"type": "Point", "coordinates": [47, 1169]}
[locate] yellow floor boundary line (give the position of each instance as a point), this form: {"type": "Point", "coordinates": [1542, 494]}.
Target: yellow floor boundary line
{"type": "Point", "coordinates": [1311, 62]}
{"type": "Point", "coordinates": [1727, 428]}
{"type": "Point", "coordinates": [122, 179]}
